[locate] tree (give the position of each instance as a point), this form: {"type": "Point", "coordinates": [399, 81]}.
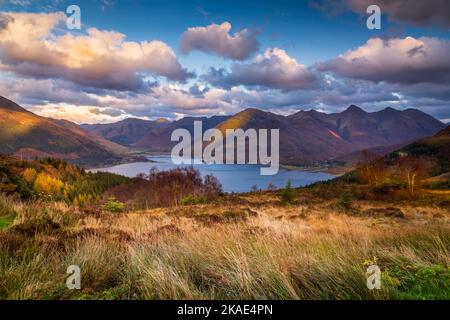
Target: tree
{"type": "Point", "coordinates": [370, 170]}
{"type": "Point", "coordinates": [345, 200]}
{"type": "Point", "coordinates": [412, 169]}
{"type": "Point", "coordinates": [29, 175]}
{"type": "Point", "coordinates": [212, 188]}
{"type": "Point", "coordinates": [48, 185]}
{"type": "Point", "coordinates": [287, 194]}
{"type": "Point", "coordinates": [271, 187]}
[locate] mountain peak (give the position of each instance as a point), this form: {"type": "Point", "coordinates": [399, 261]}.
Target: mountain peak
{"type": "Point", "coordinates": [354, 108]}
{"type": "Point", "coordinates": [251, 111]}
{"type": "Point", "coordinates": [389, 109]}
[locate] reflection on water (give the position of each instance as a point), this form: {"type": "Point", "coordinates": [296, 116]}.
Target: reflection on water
{"type": "Point", "coordinates": [234, 177]}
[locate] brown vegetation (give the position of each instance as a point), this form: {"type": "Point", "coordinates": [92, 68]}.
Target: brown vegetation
{"type": "Point", "coordinates": [240, 247]}
{"type": "Point", "coordinates": [167, 188]}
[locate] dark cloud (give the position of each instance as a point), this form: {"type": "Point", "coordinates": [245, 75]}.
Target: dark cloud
{"type": "Point", "coordinates": [273, 69]}
{"type": "Point", "coordinates": [5, 19]}
{"type": "Point", "coordinates": [420, 13]}
{"type": "Point", "coordinates": [196, 91]}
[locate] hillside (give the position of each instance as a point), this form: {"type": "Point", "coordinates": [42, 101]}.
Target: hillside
{"type": "Point", "coordinates": [431, 153]}
{"type": "Point", "coordinates": [148, 135]}
{"type": "Point", "coordinates": [27, 135]}
{"type": "Point", "coordinates": [306, 137]}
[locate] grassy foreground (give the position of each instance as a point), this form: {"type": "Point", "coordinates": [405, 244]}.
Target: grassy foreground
{"type": "Point", "coordinates": [241, 247]}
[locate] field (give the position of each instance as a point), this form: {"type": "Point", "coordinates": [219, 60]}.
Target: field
{"type": "Point", "coordinates": [248, 246]}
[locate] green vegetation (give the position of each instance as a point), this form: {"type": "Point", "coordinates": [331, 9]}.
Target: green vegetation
{"type": "Point", "coordinates": [345, 201]}
{"type": "Point", "coordinates": [192, 199]}
{"type": "Point", "coordinates": [54, 180]}
{"type": "Point", "coordinates": [6, 221]}
{"type": "Point", "coordinates": [287, 194]}
{"type": "Point", "coordinates": [113, 205]}
{"type": "Point", "coordinates": [418, 282]}
{"type": "Point", "coordinates": [7, 212]}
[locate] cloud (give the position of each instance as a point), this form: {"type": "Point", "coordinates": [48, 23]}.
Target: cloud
{"type": "Point", "coordinates": [216, 39]}
{"type": "Point", "coordinates": [419, 13]}
{"type": "Point", "coordinates": [79, 114]}
{"type": "Point", "coordinates": [273, 69]}
{"type": "Point", "coordinates": [407, 61]}
{"type": "Point", "coordinates": [31, 45]}
{"type": "Point", "coordinates": [62, 99]}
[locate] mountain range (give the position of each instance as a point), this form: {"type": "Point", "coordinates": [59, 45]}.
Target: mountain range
{"type": "Point", "coordinates": [305, 137]}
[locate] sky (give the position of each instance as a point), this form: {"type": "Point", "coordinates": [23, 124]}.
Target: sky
{"type": "Point", "coordinates": [169, 59]}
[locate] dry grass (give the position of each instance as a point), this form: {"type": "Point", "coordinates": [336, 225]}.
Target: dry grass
{"type": "Point", "coordinates": [247, 249]}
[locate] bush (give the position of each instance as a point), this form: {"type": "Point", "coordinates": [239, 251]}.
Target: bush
{"type": "Point", "coordinates": [345, 200]}
{"type": "Point", "coordinates": [287, 194]}
{"type": "Point", "coordinates": [193, 199]}
{"type": "Point", "coordinates": [421, 282]}
{"type": "Point", "coordinates": [46, 185]}
{"type": "Point", "coordinates": [113, 205]}
{"type": "Point", "coordinates": [386, 186]}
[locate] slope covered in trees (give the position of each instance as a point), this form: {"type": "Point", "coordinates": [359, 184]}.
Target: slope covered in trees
{"type": "Point", "coordinates": [54, 179]}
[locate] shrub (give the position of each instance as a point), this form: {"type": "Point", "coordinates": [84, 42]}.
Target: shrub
{"type": "Point", "coordinates": [386, 186]}
{"type": "Point", "coordinates": [421, 282]}
{"type": "Point", "coordinates": [287, 194]}
{"type": "Point", "coordinates": [29, 175]}
{"type": "Point", "coordinates": [345, 200]}
{"type": "Point", "coordinates": [193, 199]}
{"type": "Point", "coordinates": [48, 185]}
{"type": "Point", "coordinates": [113, 205]}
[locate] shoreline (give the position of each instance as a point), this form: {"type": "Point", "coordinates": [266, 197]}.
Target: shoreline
{"type": "Point", "coordinates": [144, 158]}
{"type": "Point", "coordinates": [336, 171]}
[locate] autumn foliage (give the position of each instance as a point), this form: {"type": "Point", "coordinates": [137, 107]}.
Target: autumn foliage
{"type": "Point", "coordinates": [168, 188]}
{"type": "Point", "coordinates": [54, 180]}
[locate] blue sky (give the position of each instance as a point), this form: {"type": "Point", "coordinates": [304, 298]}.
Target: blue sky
{"type": "Point", "coordinates": [310, 32]}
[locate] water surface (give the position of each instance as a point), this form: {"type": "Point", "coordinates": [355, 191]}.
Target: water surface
{"type": "Point", "coordinates": [234, 177]}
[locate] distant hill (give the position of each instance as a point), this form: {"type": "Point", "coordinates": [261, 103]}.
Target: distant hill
{"type": "Point", "coordinates": [305, 137]}
{"type": "Point", "coordinates": [27, 135]}
{"type": "Point", "coordinates": [149, 135]}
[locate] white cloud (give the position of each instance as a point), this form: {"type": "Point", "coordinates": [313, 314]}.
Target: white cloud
{"type": "Point", "coordinates": [216, 39]}
{"type": "Point", "coordinates": [30, 46]}
{"type": "Point", "coordinates": [408, 60]}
